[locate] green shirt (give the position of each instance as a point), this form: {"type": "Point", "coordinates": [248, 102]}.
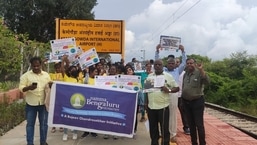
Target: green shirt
{"type": "Point", "coordinates": [159, 99]}
{"type": "Point", "coordinates": [193, 85]}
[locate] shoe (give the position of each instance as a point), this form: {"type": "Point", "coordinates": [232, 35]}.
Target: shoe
{"type": "Point", "coordinates": [93, 134]}
{"type": "Point", "coordinates": [53, 130]}
{"type": "Point", "coordinates": [65, 137]}
{"type": "Point", "coordinates": [74, 136]}
{"type": "Point", "coordinates": [187, 131]}
{"type": "Point", "coordinates": [142, 119]}
{"type": "Point", "coordinates": [115, 137]}
{"type": "Point", "coordinates": [61, 129]}
{"type": "Point", "coordinates": [85, 134]}
{"type": "Point", "coordinates": [44, 143]}
{"type": "Point", "coordinates": [106, 136]}
{"type": "Point", "coordinates": [173, 139]}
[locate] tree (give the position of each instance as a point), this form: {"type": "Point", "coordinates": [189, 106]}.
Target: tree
{"type": "Point", "coordinates": [37, 18]}
{"type": "Point", "coordinates": [10, 56]}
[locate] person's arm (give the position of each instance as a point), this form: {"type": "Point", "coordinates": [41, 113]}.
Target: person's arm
{"type": "Point", "coordinates": [204, 76]}
{"type": "Point", "coordinates": [182, 65]}
{"type": "Point", "coordinates": [170, 90]}
{"type": "Point", "coordinates": [65, 64]}
{"type": "Point", "coordinates": [157, 51]}
{"type": "Point", "coordinates": [44, 65]}
{"type": "Point", "coordinates": [30, 87]}
{"type": "Point", "coordinates": [146, 101]}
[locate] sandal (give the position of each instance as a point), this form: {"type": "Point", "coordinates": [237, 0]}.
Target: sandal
{"type": "Point", "coordinates": [61, 129]}
{"type": "Point", "coordinates": [53, 130]}
{"type": "Point", "coordinates": [142, 119]}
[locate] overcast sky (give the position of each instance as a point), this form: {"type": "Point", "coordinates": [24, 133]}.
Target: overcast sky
{"type": "Point", "coordinates": [213, 28]}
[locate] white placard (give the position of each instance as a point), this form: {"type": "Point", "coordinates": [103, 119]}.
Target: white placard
{"type": "Point", "coordinates": [130, 82]}
{"type": "Point", "coordinates": [106, 81]}
{"type": "Point", "coordinates": [62, 47]}
{"type": "Point", "coordinates": [170, 42]}
{"type": "Point", "coordinates": [88, 58]}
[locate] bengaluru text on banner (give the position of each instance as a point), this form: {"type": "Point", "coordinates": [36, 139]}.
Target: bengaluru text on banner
{"type": "Point", "coordinates": [94, 109]}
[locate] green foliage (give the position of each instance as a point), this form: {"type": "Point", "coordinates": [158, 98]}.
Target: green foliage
{"type": "Point", "coordinates": [11, 115]}
{"type": "Point", "coordinates": [37, 18]}
{"type": "Point", "coordinates": [7, 85]}
{"type": "Point", "coordinates": [234, 82]}
{"type": "Point", "coordinates": [11, 55]}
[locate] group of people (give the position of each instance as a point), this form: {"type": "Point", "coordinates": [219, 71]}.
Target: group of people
{"type": "Point", "coordinates": [36, 83]}
{"type": "Point", "coordinates": [183, 89]}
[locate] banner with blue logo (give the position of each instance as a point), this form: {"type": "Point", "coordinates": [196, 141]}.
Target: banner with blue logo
{"type": "Point", "coordinates": [94, 109]}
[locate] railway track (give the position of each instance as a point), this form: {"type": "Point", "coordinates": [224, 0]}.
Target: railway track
{"type": "Point", "coordinates": [241, 121]}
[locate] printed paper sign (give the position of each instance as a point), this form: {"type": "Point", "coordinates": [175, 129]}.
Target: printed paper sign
{"type": "Point", "coordinates": [62, 47]}
{"type": "Point", "coordinates": [106, 81]}
{"type": "Point", "coordinates": [74, 58]}
{"type": "Point", "coordinates": [153, 83]}
{"type": "Point", "coordinates": [88, 58]}
{"type": "Point", "coordinates": [170, 42]}
{"type": "Point", "coordinates": [137, 66]}
{"type": "Point", "coordinates": [130, 82]}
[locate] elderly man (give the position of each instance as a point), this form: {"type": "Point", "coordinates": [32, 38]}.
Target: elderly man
{"type": "Point", "coordinates": [194, 81]}
{"type": "Point", "coordinates": [157, 103]}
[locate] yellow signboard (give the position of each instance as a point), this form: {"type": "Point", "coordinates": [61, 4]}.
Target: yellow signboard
{"type": "Point", "coordinates": [107, 36]}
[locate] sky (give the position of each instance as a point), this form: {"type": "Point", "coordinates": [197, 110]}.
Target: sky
{"type": "Point", "coordinates": [212, 28]}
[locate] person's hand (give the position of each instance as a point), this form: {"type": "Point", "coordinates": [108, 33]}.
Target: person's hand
{"type": "Point", "coordinates": [158, 47]}
{"type": "Point", "coordinates": [64, 57]}
{"type": "Point", "coordinates": [50, 84]}
{"type": "Point", "coordinates": [45, 61]}
{"type": "Point", "coordinates": [32, 87]}
{"type": "Point", "coordinates": [181, 47]}
{"type": "Point", "coordinates": [199, 66]}
{"type": "Point", "coordinates": [165, 89]}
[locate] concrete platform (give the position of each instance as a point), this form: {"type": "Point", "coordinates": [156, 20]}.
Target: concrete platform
{"type": "Point", "coordinates": [217, 133]}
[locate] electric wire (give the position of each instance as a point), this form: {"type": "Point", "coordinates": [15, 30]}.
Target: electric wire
{"type": "Point", "coordinates": [175, 20]}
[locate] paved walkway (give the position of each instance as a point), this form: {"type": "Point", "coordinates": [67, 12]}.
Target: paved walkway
{"type": "Point", "coordinates": [217, 133]}
{"type": "Point", "coordinates": [17, 136]}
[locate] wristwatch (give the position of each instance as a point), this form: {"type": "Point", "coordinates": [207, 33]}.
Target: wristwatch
{"type": "Point", "coordinates": [169, 90]}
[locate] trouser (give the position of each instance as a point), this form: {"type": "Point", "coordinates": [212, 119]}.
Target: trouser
{"type": "Point", "coordinates": [31, 114]}
{"type": "Point", "coordinates": [156, 117]}
{"type": "Point", "coordinates": [65, 131]}
{"type": "Point", "coordinates": [195, 110]}
{"type": "Point", "coordinates": [136, 122]}
{"type": "Point", "coordinates": [183, 115]}
{"type": "Point", "coordinates": [173, 114]}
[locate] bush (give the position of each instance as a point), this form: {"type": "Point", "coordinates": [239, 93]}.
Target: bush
{"type": "Point", "coordinates": [8, 85]}
{"type": "Point", "coordinates": [11, 115]}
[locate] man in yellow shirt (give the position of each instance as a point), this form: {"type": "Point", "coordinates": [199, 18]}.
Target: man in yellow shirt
{"type": "Point", "coordinates": [157, 103]}
{"type": "Point", "coordinates": [33, 83]}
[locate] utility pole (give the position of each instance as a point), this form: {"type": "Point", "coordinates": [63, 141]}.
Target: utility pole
{"type": "Point", "coordinates": [143, 58]}
{"type": "Point", "coordinates": [143, 55]}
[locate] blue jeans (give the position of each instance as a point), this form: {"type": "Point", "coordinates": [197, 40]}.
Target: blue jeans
{"type": "Point", "coordinates": [31, 114]}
